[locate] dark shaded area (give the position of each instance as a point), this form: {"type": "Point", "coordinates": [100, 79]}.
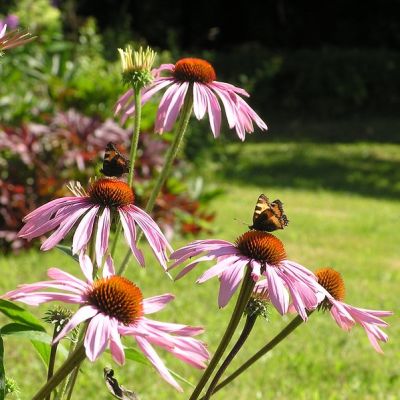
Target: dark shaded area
{"type": "Point", "coordinates": [216, 24]}
{"type": "Point", "coordinates": [357, 169]}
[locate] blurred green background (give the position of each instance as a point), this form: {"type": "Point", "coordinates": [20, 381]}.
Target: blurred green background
{"type": "Point", "coordinates": [325, 79]}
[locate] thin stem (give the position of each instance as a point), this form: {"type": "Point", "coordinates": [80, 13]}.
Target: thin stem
{"type": "Point", "coordinates": [61, 392]}
{"type": "Point", "coordinates": [250, 321]}
{"type": "Point", "coordinates": [52, 360]}
{"type": "Point", "coordinates": [72, 381]}
{"type": "Point", "coordinates": [132, 155]}
{"type": "Point", "coordinates": [244, 295]}
{"type": "Point", "coordinates": [72, 361]}
{"type": "Point", "coordinates": [293, 324]}
{"type": "Point", "coordinates": [169, 159]}
{"type": "Point", "coordinates": [135, 135]}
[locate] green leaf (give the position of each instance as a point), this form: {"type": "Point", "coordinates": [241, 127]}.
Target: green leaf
{"type": "Point", "coordinates": [43, 350]}
{"type": "Point", "coordinates": [2, 372]}
{"type": "Point", "coordinates": [18, 314]}
{"type": "Point", "coordinates": [26, 331]}
{"type": "Point", "coordinates": [67, 250]}
{"type": "Point", "coordinates": [40, 340]}
{"type": "Point", "coordinates": [137, 356]}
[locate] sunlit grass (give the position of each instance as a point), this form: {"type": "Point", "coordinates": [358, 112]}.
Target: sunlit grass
{"type": "Point", "coordinates": [355, 233]}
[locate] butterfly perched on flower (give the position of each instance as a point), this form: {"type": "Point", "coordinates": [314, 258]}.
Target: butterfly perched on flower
{"type": "Point", "coordinates": [268, 216]}
{"type": "Point", "coordinates": [114, 163]}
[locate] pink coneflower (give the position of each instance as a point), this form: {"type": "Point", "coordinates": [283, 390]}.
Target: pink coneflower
{"type": "Point", "coordinates": [13, 39]}
{"type": "Point", "coordinates": [198, 76]}
{"type": "Point", "coordinates": [105, 198]}
{"type": "Point", "coordinates": [114, 307]}
{"type": "Point", "coordinates": [332, 293]}
{"type": "Point", "coordinates": [265, 255]}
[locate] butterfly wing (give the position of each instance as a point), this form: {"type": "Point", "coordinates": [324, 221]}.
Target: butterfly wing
{"type": "Point", "coordinates": [268, 216]}
{"type": "Point", "coordinates": [114, 163]}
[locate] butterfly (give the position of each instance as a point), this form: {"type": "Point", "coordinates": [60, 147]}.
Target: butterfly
{"type": "Point", "coordinates": [114, 163]}
{"type": "Point", "coordinates": [268, 216]}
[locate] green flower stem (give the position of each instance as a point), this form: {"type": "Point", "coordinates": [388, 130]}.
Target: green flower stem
{"type": "Point", "coordinates": [135, 135]}
{"type": "Point", "coordinates": [53, 353]}
{"type": "Point", "coordinates": [169, 159]}
{"type": "Point", "coordinates": [250, 321]}
{"type": "Point", "coordinates": [244, 295]}
{"type": "Point", "coordinates": [293, 324]}
{"type": "Point", "coordinates": [72, 361]}
{"type": "Point", "coordinates": [132, 155]}
{"type": "Point", "coordinates": [72, 381]}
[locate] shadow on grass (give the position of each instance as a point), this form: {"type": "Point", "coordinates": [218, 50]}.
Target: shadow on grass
{"type": "Point", "coordinates": [366, 169]}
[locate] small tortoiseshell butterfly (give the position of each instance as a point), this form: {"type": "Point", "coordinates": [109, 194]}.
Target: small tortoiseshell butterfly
{"type": "Point", "coordinates": [114, 163]}
{"type": "Point", "coordinates": [268, 216]}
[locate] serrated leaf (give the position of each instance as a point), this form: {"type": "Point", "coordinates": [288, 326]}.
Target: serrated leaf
{"type": "Point", "coordinates": [18, 314]}
{"type": "Point", "coordinates": [2, 372]}
{"type": "Point", "coordinates": [67, 250]}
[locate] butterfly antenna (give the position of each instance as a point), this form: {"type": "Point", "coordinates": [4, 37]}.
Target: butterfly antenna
{"type": "Point", "coordinates": [242, 222]}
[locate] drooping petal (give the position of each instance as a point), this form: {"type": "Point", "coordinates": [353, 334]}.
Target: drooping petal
{"type": "Point", "coordinates": [81, 315]}
{"type": "Point", "coordinates": [217, 269]}
{"type": "Point", "coordinates": [199, 100]}
{"type": "Point", "coordinates": [129, 229]}
{"type": "Point", "coordinates": [86, 266]}
{"type": "Point", "coordinates": [153, 357]}
{"type": "Point", "coordinates": [116, 347]}
{"type": "Point", "coordinates": [156, 303]}
{"type": "Point", "coordinates": [277, 291]}
{"type": "Point", "coordinates": [97, 336]}
{"type": "Point", "coordinates": [229, 282]}
{"type": "Point", "coordinates": [103, 233]}
{"type": "Point", "coordinates": [62, 230]}
{"type": "Point", "coordinates": [84, 230]}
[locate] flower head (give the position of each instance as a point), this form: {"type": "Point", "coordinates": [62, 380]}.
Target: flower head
{"type": "Point", "coordinates": [198, 78]}
{"type": "Point", "coordinates": [136, 66]}
{"type": "Point", "coordinates": [265, 254]}
{"type": "Point", "coordinates": [330, 298]}
{"type": "Point", "coordinates": [105, 197]}
{"type": "Point", "coordinates": [114, 307]}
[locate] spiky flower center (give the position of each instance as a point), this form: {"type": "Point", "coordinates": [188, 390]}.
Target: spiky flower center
{"type": "Point", "coordinates": [111, 193]}
{"type": "Point", "coordinates": [194, 70]}
{"type": "Point", "coordinates": [332, 282]}
{"type": "Point", "coordinates": [117, 297]}
{"type": "Point", "coordinates": [261, 246]}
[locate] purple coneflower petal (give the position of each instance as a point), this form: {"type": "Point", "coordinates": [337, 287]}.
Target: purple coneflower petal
{"type": "Point", "coordinates": [128, 225]}
{"type": "Point", "coordinates": [84, 230]}
{"type": "Point", "coordinates": [81, 315]}
{"type": "Point", "coordinates": [103, 233]}
{"type": "Point", "coordinates": [230, 280]}
{"type": "Point", "coordinates": [156, 303]}
{"type": "Point", "coordinates": [157, 362]}
{"type": "Point", "coordinates": [97, 336]}
{"type": "Point", "coordinates": [277, 291]}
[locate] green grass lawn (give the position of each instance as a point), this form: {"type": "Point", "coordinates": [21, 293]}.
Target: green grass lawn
{"type": "Point", "coordinates": [342, 202]}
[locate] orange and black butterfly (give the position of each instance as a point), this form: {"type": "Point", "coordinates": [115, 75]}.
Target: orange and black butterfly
{"type": "Point", "coordinates": [114, 163]}
{"type": "Point", "coordinates": [268, 216]}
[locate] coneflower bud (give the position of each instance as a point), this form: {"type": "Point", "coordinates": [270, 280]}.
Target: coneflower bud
{"type": "Point", "coordinates": [136, 66]}
{"type": "Point", "coordinates": [258, 305]}
{"type": "Point", "coordinates": [58, 316]}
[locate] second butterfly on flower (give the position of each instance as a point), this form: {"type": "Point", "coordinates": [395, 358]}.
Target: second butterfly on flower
{"type": "Point", "coordinates": [265, 255]}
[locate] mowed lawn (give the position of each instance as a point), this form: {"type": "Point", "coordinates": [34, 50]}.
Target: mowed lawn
{"type": "Point", "coordinates": [344, 212]}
